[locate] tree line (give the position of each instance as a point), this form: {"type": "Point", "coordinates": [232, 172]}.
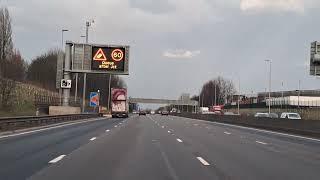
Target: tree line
{"type": "Point", "coordinates": [40, 71]}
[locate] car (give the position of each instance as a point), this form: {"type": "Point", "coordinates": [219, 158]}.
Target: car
{"type": "Point", "coordinates": [289, 115]}
{"type": "Point", "coordinates": [164, 113]}
{"type": "Point", "coordinates": [217, 113]}
{"type": "Point", "coordinates": [273, 115]}
{"type": "Point", "coordinates": [142, 113]}
{"type": "Point", "coordinates": [261, 115]}
{"type": "Point", "coordinates": [229, 114]}
{"type": "Point", "coordinates": [267, 115]}
{"type": "Point", "coordinates": [152, 112]}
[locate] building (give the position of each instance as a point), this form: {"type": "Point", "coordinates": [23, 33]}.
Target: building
{"type": "Point", "coordinates": [302, 98]}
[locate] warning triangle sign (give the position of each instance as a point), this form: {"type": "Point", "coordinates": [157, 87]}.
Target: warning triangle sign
{"type": "Point", "coordinates": [99, 56]}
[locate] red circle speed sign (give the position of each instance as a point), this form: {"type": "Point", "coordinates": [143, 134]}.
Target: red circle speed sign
{"type": "Point", "coordinates": [117, 55]}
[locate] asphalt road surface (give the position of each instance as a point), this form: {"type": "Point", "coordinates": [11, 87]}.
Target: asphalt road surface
{"type": "Point", "coordinates": [158, 148]}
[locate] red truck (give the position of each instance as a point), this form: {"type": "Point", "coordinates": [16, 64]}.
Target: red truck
{"type": "Point", "coordinates": [119, 103]}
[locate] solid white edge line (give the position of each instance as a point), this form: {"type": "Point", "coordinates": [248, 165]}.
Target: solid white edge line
{"type": "Point", "coordinates": [260, 130]}
{"type": "Point", "coordinates": [92, 139]}
{"type": "Point", "coordinates": [57, 159]}
{"type": "Point", "coordinates": [260, 142]}
{"type": "Point", "coordinates": [48, 128]}
{"type": "Point", "coordinates": [204, 162]}
{"type": "Point", "coordinates": [179, 140]}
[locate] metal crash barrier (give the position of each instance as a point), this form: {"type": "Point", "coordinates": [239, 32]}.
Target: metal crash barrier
{"type": "Point", "coordinates": [14, 123]}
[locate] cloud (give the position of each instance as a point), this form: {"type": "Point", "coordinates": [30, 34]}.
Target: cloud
{"type": "Point", "coordinates": [272, 5]}
{"type": "Point", "coordinates": [181, 54]}
{"type": "Point", "coordinates": [117, 15]}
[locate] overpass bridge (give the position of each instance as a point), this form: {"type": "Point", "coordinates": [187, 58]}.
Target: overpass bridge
{"type": "Point", "coordinates": [182, 102]}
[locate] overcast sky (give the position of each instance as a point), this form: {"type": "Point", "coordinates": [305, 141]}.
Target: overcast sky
{"type": "Point", "coordinates": [177, 45]}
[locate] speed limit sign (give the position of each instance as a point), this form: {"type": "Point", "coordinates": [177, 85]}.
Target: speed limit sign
{"type": "Point", "coordinates": [117, 55]}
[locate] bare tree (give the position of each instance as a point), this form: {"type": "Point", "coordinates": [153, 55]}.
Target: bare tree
{"type": "Point", "coordinates": [217, 90]}
{"type": "Point", "coordinates": [7, 96]}
{"type": "Point", "coordinates": [42, 70]}
{"type": "Point", "coordinates": [14, 67]}
{"type": "Point", "coordinates": [6, 44]}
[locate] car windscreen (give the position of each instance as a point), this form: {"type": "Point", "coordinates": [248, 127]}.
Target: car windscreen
{"type": "Point", "coordinates": [294, 115]}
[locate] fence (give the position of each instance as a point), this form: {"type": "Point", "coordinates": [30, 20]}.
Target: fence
{"type": "Point", "coordinates": [45, 100]}
{"type": "Point", "coordinates": [306, 113]}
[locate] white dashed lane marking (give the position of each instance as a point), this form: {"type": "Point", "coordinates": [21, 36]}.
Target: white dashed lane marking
{"type": "Point", "coordinates": [179, 140]}
{"type": "Point", "coordinates": [107, 130]}
{"type": "Point", "coordinates": [227, 133]}
{"type": "Point", "coordinates": [204, 162]}
{"type": "Point", "coordinates": [260, 142]}
{"type": "Point", "coordinates": [57, 159]}
{"type": "Point", "coordinates": [92, 139]}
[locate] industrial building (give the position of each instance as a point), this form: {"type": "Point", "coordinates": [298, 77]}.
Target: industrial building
{"type": "Point", "coordinates": [302, 98]}
{"type": "Point", "coordinates": [295, 98]}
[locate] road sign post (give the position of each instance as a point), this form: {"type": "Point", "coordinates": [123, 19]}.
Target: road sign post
{"type": "Point", "coordinates": [84, 92]}
{"type": "Point", "coordinates": [94, 99]}
{"type": "Point", "coordinates": [91, 58]}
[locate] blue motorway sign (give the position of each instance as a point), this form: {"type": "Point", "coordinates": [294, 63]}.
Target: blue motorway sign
{"type": "Point", "coordinates": [94, 99]}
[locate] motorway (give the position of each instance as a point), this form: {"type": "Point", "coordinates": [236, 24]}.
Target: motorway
{"type": "Point", "coordinates": [157, 147]}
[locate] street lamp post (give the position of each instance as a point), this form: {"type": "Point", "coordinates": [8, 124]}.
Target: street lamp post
{"type": "Point", "coordinates": [82, 36]}
{"type": "Point", "coordinates": [199, 101]}
{"type": "Point", "coordinates": [88, 24]}
{"type": "Point", "coordinates": [239, 98]}
{"type": "Point", "coordinates": [62, 40]}
{"type": "Point", "coordinates": [282, 98]}
{"type": "Point", "coordinates": [270, 62]}
{"type": "Point", "coordinates": [99, 95]}
{"type": "Point", "coordinates": [299, 94]}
